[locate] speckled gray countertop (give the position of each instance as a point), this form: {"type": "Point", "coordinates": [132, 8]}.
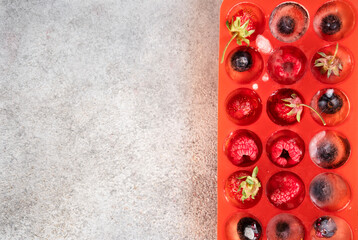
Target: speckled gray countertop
{"type": "Point", "coordinates": [108, 119]}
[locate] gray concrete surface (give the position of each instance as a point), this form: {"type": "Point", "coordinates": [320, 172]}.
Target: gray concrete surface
{"type": "Point", "coordinates": [108, 119]}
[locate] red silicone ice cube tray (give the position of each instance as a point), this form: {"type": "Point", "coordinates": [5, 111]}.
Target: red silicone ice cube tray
{"type": "Point", "coordinates": [255, 129]}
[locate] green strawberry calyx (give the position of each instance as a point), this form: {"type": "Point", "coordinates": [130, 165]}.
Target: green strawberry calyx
{"type": "Point", "coordinates": [251, 186]}
{"type": "Point", "coordinates": [239, 32]}
{"type": "Point", "coordinates": [329, 64]}
{"type": "Point", "coordinates": [294, 102]}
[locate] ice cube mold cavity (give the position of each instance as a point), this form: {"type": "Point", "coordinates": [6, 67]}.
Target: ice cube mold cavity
{"type": "Point", "coordinates": [289, 21]}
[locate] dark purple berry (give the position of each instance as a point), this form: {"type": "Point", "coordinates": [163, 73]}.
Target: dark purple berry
{"type": "Point", "coordinates": [241, 61]}
{"type": "Point", "coordinates": [282, 230]}
{"type": "Point", "coordinates": [286, 25]}
{"type": "Point", "coordinates": [249, 229]}
{"type": "Point", "coordinates": [325, 227]}
{"type": "Point", "coordinates": [327, 152]}
{"type": "Point", "coordinates": [321, 190]}
{"type": "Point", "coordinates": [331, 24]}
{"type": "Point", "coordinates": [330, 103]}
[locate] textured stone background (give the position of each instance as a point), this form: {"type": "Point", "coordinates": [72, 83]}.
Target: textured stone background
{"type": "Point", "coordinates": [108, 119]}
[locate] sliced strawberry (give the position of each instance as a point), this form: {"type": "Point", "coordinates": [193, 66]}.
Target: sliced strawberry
{"type": "Point", "coordinates": [243, 148]}
{"type": "Point", "coordinates": [285, 190]}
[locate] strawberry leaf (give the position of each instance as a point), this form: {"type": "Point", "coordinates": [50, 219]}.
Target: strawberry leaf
{"type": "Point", "coordinates": [318, 64]}
{"type": "Point", "coordinates": [298, 116]}
{"type": "Point", "coordinates": [247, 41]}
{"type": "Point", "coordinates": [255, 172]}
{"type": "Point", "coordinates": [242, 177]}
{"type": "Point", "coordinates": [297, 107]}
{"type": "Point", "coordinates": [286, 99]}
{"type": "Point", "coordinates": [322, 54]}
{"type": "Point", "coordinates": [250, 187]}
{"type": "Point", "coordinates": [292, 112]}
{"type": "Point", "coordinates": [329, 63]}
{"type": "Point", "coordinates": [239, 32]}
{"type": "Point", "coordinates": [228, 25]}
{"type": "Point", "coordinates": [335, 71]}
{"type": "Point", "coordinates": [249, 181]}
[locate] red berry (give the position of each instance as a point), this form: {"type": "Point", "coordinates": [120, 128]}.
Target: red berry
{"type": "Point", "coordinates": [277, 109]}
{"type": "Point", "coordinates": [285, 190]}
{"type": "Point", "coordinates": [243, 148]}
{"type": "Point", "coordinates": [287, 65]}
{"type": "Point", "coordinates": [243, 106]}
{"type": "Point", "coordinates": [244, 22]}
{"type": "Point", "coordinates": [285, 148]}
{"type": "Point", "coordinates": [282, 112]}
{"type": "Point", "coordinates": [248, 12]}
{"type": "Point", "coordinates": [234, 193]}
{"type": "Point", "coordinates": [343, 57]}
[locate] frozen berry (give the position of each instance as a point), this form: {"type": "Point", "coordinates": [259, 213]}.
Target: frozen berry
{"type": "Point", "coordinates": [285, 190]}
{"type": "Point", "coordinates": [249, 229]}
{"type": "Point", "coordinates": [241, 61]}
{"type": "Point", "coordinates": [331, 24]}
{"type": "Point", "coordinates": [243, 106]}
{"type": "Point", "coordinates": [321, 190]}
{"type": "Point", "coordinates": [243, 189]}
{"type": "Point", "coordinates": [330, 192]}
{"type": "Point", "coordinates": [325, 227]}
{"type": "Point", "coordinates": [330, 227]}
{"type": "Point", "coordinates": [285, 148]}
{"type": "Point", "coordinates": [282, 230]}
{"type": "Point", "coordinates": [243, 147]}
{"type": "Point", "coordinates": [244, 22]}
{"type": "Point", "coordinates": [277, 108]}
{"type": "Point", "coordinates": [285, 227]}
{"type": "Point", "coordinates": [244, 64]}
{"type": "Point", "coordinates": [332, 104]}
{"type": "Point", "coordinates": [327, 152]}
{"type": "Point", "coordinates": [243, 226]}
{"type": "Point", "coordinates": [332, 64]}
{"type": "Point", "coordinates": [334, 20]}
{"type": "Point", "coordinates": [329, 149]}
{"type": "Point", "coordinates": [287, 65]}
{"type": "Point", "coordinates": [286, 25]}
{"type": "Point", "coordinates": [289, 22]}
